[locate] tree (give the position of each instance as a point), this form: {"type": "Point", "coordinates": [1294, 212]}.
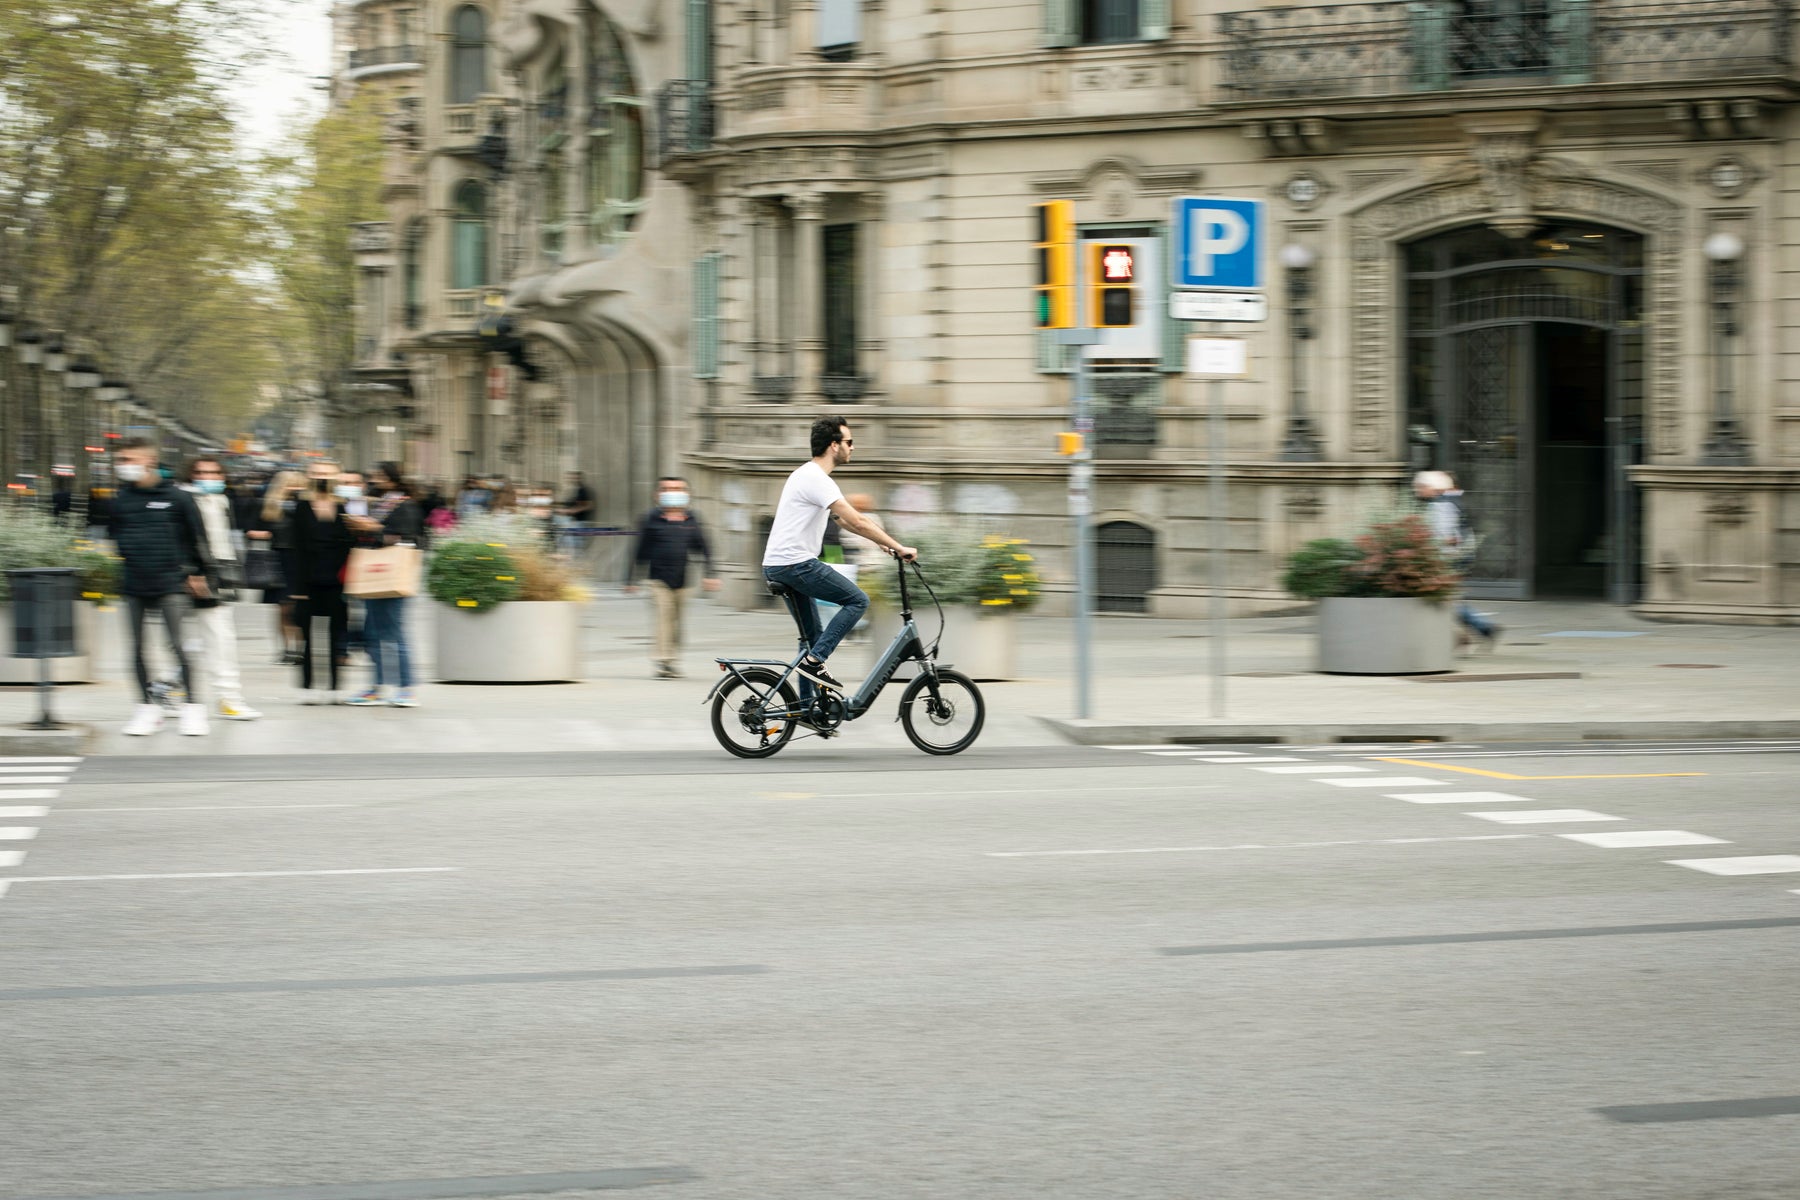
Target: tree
{"type": "Point", "coordinates": [123, 221]}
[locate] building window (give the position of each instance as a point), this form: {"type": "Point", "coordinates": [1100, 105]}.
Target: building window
{"type": "Point", "coordinates": [699, 50]}
{"type": "Point", "coordinates": [840, 294]}
{"type": "Point", "coordinates": [468, 55]}
{"type": "Point", "coordinates": [1125, 566]}
{"type": "Point", "coordinates": [469, 239]}
{"type": "Point", "coordinates": [839, 29]}
{"type": "Point", "coordinates": [615, 133]}
{"type": "Point", "coordinates": [1104, 22]}
{"type": "Point", "coordinates": [706, 316]}
{"type": "Point", "coordinates": [409, 273]}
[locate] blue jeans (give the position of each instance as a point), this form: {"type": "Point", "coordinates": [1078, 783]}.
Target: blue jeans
{"type": "Point", "coordinates": [813, 578]}
{"type": "Point", "coordinates": [1466, 614]}
{"type": "Point", "coordinates": [384, 629]}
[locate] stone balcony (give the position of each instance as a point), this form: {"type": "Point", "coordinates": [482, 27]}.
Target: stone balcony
{"type": "Point", "coordinates": [829, 99]}
{"type": "Point", "coordinates": [1388, 49]}
{"type": "Point", "coordinates": [369, 61]}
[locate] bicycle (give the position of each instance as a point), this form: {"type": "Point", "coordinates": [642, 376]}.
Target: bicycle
{"type": "Point", "coordinates": [755, 710]}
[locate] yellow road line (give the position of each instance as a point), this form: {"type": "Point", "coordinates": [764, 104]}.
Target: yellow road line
{"type": "Point", "coordinates": [1436, 766]}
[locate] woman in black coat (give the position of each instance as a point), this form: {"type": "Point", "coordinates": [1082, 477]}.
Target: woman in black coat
{"type": "Point", "coordinates": [322, 542]}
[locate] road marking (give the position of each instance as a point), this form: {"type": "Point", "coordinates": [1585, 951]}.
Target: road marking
{"type": "Point", "coordinates": [63, 771]}
{"type": "Point", "coordinates": [35, 761]}
{"type": "Point", "coordinates": [1484, 837]}
{"type": "Point", "coordinates": [1702, 1110]}
{"type": "Point", "coordinates": [25, 810]}
{"type": "Point", "coordinates": [1314, 769]}
{"type": "Point", "coordinates": [17, 833]}
{"type": "Point", "coordinates": [613, 1179]}
{"type": "Point", "coordinates": [71, 812]}
{"type": "Point", "coordinates": [1385, 781]}
{"type": "Point", "coordinates": [1632, 839]}
{"type": "Point", "coordinates": [1764, 864]}
{"type": "Point", "coordinates": [227, 874]}
{"type": "Point", "coordinates": [1542, 816]}
{"type": "Point", "coordinates": [1437, 766]}
{"type": "Point", "coordinates": [1256, 758]}
{"type": "Point", "coordinates": [1508, 935]}
{"type": "Point", "coordinates": [28, 794]}
{"type": "Point", "coordinates": [1160, 787]}
{"type": "Point", "coordinates": [11, 858]}
{"type": "Point", "coordinates": [10, 781]}
{"type": "Point", "coordinates": [1462, 798]}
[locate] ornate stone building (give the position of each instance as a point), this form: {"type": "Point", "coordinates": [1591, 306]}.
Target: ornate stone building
{"type": "Point", "coordinates": [1553, 246]}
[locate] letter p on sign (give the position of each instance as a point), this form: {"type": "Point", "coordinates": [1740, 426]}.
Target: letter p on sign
{"type": "Point", "coordinates": [1218, 242]}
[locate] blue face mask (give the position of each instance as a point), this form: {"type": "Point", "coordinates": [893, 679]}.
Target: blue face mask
{"type": "Point", "coordinates": [212, 487]}
{"type": "Point", "coordinates": [672, 499]}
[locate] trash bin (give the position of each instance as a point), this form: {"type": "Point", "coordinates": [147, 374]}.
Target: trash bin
{"type": "Point", "coordinates": [43, 606]}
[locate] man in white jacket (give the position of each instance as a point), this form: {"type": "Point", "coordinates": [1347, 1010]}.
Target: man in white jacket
{"type": "Point", "coordinates": [218, 627]}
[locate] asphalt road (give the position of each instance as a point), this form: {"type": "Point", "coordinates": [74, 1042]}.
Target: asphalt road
{"type": "Point", "coordinates": [1049, 973]}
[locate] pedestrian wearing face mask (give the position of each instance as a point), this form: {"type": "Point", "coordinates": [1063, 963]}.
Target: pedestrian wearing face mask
{"type": "Point", "coordinates": [157, 529]}
{"type": "Point", "coordinates": [322, 541]}
{"type": "Point", "coordinates": [218, 622]}
{"type": "Point", "coordinates": [669, 536]}
{"type": "Point", "coordinates": [393, 519]}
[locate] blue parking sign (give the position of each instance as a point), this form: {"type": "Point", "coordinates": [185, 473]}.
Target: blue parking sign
{"type": "Point", "coordinates": [1218, 243]}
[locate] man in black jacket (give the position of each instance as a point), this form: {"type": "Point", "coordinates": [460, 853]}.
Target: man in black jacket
{"type": "Point", "coordinates": [159, 534]}
{"type": "Point", "coordinates": [669, 536]}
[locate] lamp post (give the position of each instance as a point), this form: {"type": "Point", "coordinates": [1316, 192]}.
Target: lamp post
{"type": "Point", "coordinates": [54, 407]}
{"type": "Point", "coordinates": [1725, 444]}
{"type": "Point", "coordinates": [1301, 442]}
{"type": "Point", "coordinates": [83, 378]}
{"type": "Point", "coordinates": [29, 349]}
{"type": "Point", "coordinates": [9, 424]}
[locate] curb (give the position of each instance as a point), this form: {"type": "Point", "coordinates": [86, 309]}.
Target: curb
{"type": "Point", "coordinates": [19, 742]}
{"type": "Point", "coordinates": [1100, 733]}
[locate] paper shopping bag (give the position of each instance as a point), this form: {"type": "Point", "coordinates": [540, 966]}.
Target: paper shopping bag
{"type": "Point", "coordinates": [382, 574]}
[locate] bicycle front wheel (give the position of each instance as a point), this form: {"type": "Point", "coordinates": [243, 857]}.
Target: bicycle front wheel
{"type": "Point", "coordinates": [945, 717]}
{"type": "Point", "coordinates": [750, 715]}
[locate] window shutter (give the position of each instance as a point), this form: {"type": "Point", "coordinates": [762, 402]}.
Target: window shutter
{"type": "Point", "coordinates": [699, 39]}
{"type": "Point", "coordinates": [1174, 340]}
{"type": "Point", "coordinates": [1153, 20]}
{"type": "Point", "coordinates": [706, 317]}
{"type": "Point", "coordinates": [1053, 358]}
{"type": "Point", "coordinates": [1062, 22]}
{"type": "Point", "coordinates": [1571, 34]}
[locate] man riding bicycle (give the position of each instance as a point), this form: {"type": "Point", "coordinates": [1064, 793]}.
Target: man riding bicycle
{"type": "Point", "coordinates": [791, 557]}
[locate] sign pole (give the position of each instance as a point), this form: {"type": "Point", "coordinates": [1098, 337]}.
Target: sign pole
{"type": "Point", "coordinates": [1216, 517]}
{"type": "Point", "coordinates": [1081, 506]}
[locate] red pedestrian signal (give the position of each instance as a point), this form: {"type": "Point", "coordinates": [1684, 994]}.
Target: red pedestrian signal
{"type": "Point", "coordinates": [1112, 283]}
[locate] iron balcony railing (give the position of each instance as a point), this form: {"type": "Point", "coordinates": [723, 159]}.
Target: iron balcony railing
{"type": "Point", "coordinates": [684, 118]}
{"type": "Point", "coordinates": [383, 56]}
{"type": "Point", "coordinates": [1384, 49]}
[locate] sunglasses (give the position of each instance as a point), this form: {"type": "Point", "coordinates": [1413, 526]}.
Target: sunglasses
{"type": "Point", "coordinates": [851, 442]}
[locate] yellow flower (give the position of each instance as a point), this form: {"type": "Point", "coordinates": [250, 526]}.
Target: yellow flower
{"type": "Point", "coordinates": [506, 578]}
{"type": "Point", "coordinates": [468, 604]}
{"type": "Point", "coordinates": [1001, 600]}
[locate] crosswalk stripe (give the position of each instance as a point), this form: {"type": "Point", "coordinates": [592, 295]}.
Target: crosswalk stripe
{"type": "Point", "coordinates": [28, 794]}
{"type": "Point", "coordinates": [1462, 798]}
{"type": "Point", "coordinates": [1543, 816]}
{"type": "Point", "coordinates": [17, 833]}
{"type": "Point", "coordinates": [11, 858]}
{"type": "Point", "coordinates": [24, 810]}
{"type": "Point", "coordinates": [4, 761]}
{"type": "Point", "coordinates": [1315, 769]}
{"type": "Point", "coordinates": [1759, 864]}
{"type": "Point", "coordinates": [1386, 781]}
{"type": "Point", "coordinates": [1632, 839]}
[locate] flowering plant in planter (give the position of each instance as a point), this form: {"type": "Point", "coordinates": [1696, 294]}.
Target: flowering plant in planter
{"type": "Point", "coordinates": [1400, 557]}
{"type": "Point", "coordinates": [991, 571]}
{"type": "Point", "coordinates": [33, 539]}
{"type": "Point", "coordinates": [487, 561]}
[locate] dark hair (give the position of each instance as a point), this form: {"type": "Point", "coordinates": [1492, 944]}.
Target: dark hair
{"type": "Point", "coordinates": [141, 443]}
{"type": "Point", "coordinates": [194, 465]}
{"type": "Point", "coordinates": [825, 431]}
{"type": "Point", "coordinates": [671, 479]}
{"type": "Point", "coordinates": [392, 471]}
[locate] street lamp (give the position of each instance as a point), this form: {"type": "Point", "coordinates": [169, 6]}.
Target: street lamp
{"type": "Point", "coordinates": [1301, 443]}
{"type": "Point", "coordinates": [1725, 444]}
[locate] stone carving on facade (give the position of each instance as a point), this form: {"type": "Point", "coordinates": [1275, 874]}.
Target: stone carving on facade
{"type": "Point", "coordinates": [1143, 180]}
{"type": "Point", "coordinates": [1304, 504]}
{"type": "Point", "coordinates": [1546, 188]}
{"type": "Point", "coordinates": [1729, 177]}
{"type": "Point", "coordinates": [1303, 190]}
{"type": "Point", "coordinates": [1115, 192]}
{"type": "Point", "coordinates": [1726, 508]}
{"type": "Point", "coordinates": [1504, 159]}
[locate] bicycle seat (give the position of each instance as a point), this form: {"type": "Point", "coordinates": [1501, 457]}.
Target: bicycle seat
{"type": "Point", "coordinates": [779, 589]}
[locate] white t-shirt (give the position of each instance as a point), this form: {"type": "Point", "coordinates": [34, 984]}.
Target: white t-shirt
{"type": "Point", "coordinates": [806, 500]}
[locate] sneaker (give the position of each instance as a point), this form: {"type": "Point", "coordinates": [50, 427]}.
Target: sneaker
{"type": "Point", "coordinates": [237, 710]}
{"type": "Point", "coordinates": [368, 698]}
{"type": "Point", "coordinates": [814, 670]}
{"type": "Point", "coordinates": [146, 719]}
{"type": "Point", "coordinates": [404, 699]}
{"type": "Point", "coordinates": [193, 720]}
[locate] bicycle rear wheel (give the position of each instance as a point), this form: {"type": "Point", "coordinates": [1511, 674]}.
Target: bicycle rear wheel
{"type": "Point", "coordinates": [740, 714]}
{"type": "Point", "coordinates": [946, 719]}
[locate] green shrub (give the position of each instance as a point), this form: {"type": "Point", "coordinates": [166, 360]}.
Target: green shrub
{"type": "Point", "coordinates": [964, 567]}
{"type": "Point", "coordinates": [536, 573]}
{"type": "Point", "coordinates": [1321, 568]}
{"type": "Point", "coordinates": [31, 539]}
{"type": "Point", "coordinates": [472, 575]}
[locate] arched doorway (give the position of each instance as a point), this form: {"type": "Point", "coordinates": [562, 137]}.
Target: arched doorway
{"type": "Point", "coordinates": [1525, 378]}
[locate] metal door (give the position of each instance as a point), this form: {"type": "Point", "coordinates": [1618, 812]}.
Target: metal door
{"type": "Point", "coordinates": [1490, 434]}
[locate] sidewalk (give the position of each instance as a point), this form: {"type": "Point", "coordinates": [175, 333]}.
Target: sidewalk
{"type": "Point", "coordinates": [1599, 672]}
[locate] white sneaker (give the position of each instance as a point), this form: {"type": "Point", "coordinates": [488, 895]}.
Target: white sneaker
{"type": "Point", "coordinates": [146, 719]}
{"type": "Point", "coordinates": [193, 720]}
{"type": "Point", "coordinates": [237, 710]}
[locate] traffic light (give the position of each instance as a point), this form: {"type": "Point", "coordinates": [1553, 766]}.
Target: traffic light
{"type": "Point", "coordinates": [1070, 443]}
{"type": "Point", "coordinates": [1111, 282]}
{"type": "Point", "coordinates": [1055, 297]}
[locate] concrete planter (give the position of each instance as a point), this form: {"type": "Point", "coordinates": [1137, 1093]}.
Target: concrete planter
{"type": "Point", "coordinates": [82, 668]}
{"type": "Point", "coordinates": [537, 641]}
{"type": "Point", "coordinates": [1386, 635]}
{"type": "Point", "coordinates": [982, 644]}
